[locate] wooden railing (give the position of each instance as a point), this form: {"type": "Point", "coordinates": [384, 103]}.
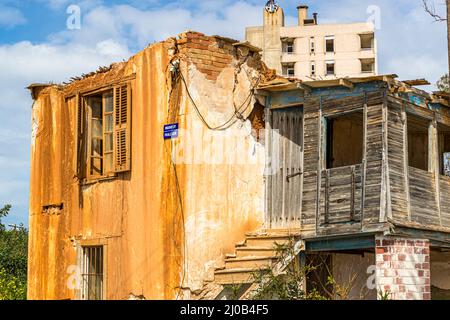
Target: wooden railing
{"type": "Point", "coordinates": [341, 191]}
{"type": "Point", "coordinates": [430, 206]}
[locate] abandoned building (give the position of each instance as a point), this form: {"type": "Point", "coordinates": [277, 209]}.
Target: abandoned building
{"type": "Point", "coordinates": [312, 50]}
{"type": "Point", "coordinates": [172, 176]}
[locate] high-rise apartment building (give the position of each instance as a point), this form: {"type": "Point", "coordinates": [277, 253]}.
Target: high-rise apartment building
{"type": "Point", "coordinates": [314, 51]}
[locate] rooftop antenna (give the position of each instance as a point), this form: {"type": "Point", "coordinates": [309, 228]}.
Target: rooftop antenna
{"type": "Point", "coordinates": [272, 6]}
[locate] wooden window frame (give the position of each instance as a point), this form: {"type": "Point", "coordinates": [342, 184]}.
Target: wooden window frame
{"type": "Point", "coordinates": [89, 176]}
{"type": "Point", "coordinates": [327, 139]}
{"type": "Point", "coordinates": [440, 140]}
{"type": "Point", "coordinates": [121, 132]}
{"type": "Point", "coordinates": [431, 140]}
{"type": "Point", "coordinates": [105, 114]}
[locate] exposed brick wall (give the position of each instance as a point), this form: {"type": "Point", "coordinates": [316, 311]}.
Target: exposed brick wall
{"type": "Point", "coordinates": [403, 268]}
{"type": "Point", "coordinates": [209, 54]}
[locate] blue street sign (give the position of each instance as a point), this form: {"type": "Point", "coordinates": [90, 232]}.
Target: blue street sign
{"type": "Point", "coordinates": [171, 131]}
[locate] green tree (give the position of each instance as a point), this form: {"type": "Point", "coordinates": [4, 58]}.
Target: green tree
{"type": "Point", "coordinates": [13, 259]}
{"type": "Point", "coordinates": [443, 83]}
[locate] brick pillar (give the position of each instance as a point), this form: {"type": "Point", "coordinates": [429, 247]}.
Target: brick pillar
{"type": "Point", "coordinates": [403, 268]}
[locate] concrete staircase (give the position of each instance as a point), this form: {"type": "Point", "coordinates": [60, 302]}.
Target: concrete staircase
{"type": "Point", "coordinates": [257, 252]}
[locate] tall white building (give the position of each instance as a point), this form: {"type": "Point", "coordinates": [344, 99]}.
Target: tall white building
{"type": "Point", "coordinates": [314, 51]}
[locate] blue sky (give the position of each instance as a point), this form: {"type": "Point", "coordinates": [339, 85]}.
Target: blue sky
{"type": "Point", "coordinates": [36, 46]}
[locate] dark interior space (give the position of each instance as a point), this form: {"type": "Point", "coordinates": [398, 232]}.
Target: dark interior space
{"type": "Point", "coordinates": [345, 135]}
{"type": "Point", "coordinates": [418, 142]}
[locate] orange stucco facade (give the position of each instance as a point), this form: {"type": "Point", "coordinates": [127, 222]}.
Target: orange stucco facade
{"type": "Point", "coordinates": [166, 223]}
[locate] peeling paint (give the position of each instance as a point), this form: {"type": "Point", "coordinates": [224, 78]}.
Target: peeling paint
{"type": "Point", "coordinates": [165, 225]}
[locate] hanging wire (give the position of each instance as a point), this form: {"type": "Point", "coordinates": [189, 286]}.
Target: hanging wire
{"type": "Point", "coordinates": [236, 115]}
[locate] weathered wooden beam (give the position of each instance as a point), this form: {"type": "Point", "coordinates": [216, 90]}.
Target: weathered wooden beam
{"type": "Point", "coordinates": [260, 92]}
{"type": "Point", "coordinates": [433, 163]}
{"type": "Point", "coordinates": [319, 162]}
{"type": "Point", "coordinates": [420, 231]}
{"type": "Point", "coordinates": [290, 105]}
{"type": "Point", "coordinates": [327, 196]}
{"type": "Point", "coordinates": [352, 195]}
{"type": "Point", "coordinates": [405, 160]}
{"type": "Point", "coordinates": [342, 243]}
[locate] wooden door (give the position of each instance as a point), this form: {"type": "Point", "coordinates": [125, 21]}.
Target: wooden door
{"type": "Point", "coordinates": [284, 188]}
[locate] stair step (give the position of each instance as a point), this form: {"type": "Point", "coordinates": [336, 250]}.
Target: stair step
{"type": "Point", "coordinates": [253, 262]}
{"type": "Point", "coordinates": [235, 276]}
{"type": "Point", "coordinates": [268, 242]}
{"type": "Point", "coordinates": [255, 252]}
{"type": "Point", "coordinates": [275, 233]}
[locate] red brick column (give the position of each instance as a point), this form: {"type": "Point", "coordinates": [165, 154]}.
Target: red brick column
{"type": "Point", "coordinates": [403, 268]}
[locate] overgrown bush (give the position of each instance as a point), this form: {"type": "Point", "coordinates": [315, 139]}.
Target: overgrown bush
{"type": "Point", "coordinates": [289, 284]}
{"type": "Point", "coordinates": [13, 260]}
{"type": "Point", "coordinates": [11, 288]}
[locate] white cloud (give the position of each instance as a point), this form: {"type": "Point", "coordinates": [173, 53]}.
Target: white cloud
{"type": "Point", "coordinates": [139, 27]}
{"type": "Point", "coordinates": [11, 17]}
{"type": "Point", "coordinates": [24, 63]}
{"type": "Point", "coordinates": [60, 4]}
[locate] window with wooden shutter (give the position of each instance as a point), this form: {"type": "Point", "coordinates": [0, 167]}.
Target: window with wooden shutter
{"type": "Point", "coordinates": [103, 133]}
{"type": "Point", "coordinates": [122, 120]}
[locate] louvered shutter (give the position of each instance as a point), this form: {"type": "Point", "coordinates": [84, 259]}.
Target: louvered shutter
{"type": "Point", "coordinates": [79, 137]}
{"type": "Point", "coordinates": [122, 132]}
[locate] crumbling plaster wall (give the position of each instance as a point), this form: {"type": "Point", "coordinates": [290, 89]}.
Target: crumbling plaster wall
{"type": "Point", "coordinates": [166, 223]}
{"type": "Point", "coordinates": [223, 168]}
{"type": "Point", "coordinates": [50, 184]}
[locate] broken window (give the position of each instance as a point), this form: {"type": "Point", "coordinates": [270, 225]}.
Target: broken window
{"type": "Point", "coordinates": [92, 273]}
{"type": "Point", "coordinates": [103, 143]}
{"type": "Point", "coordinates": [330, 66]}
{"type": "Point", "coordinates": [418, 142]}
{"type": "Point", "coordinates": [367, 65]}
{"type": "Point", "coordinates": [444, 149]}
{"type": "Point", "coordinates": [100, 147]}
{"type": "Point", "coordinates": [329, 44]}
{"type": "Point", "coordinates": [344, 144]}
{"type": "Point", "coordinates": [367, 41]}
